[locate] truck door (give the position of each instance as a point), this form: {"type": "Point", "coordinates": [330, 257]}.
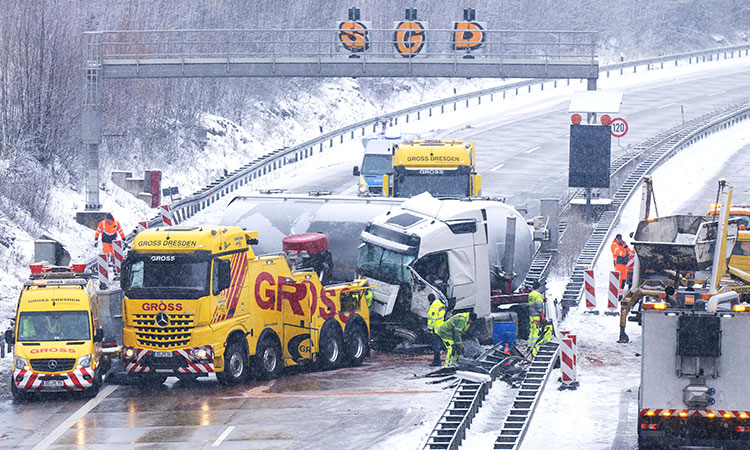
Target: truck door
{"type": "Point", "coordinates": [295, 312]}
{"type": "Point", "coordinates": [462, 284]}
{"type": "Point", "coordinates": [420, 291]}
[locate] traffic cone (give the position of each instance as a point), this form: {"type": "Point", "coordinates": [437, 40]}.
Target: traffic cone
{"type": "Point", "coordinates": [507, 349]}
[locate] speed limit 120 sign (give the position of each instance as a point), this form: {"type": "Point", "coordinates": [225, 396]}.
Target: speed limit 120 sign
{"type": "Point", "coordinates": [619, 127]}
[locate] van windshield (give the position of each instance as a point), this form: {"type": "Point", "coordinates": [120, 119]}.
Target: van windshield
{"type": "Point", "coordinates": [383, 264]}
{"type": "Point", "coordinates": [376, 164]}
{"type": "Point", "coordinates": [54, 326]}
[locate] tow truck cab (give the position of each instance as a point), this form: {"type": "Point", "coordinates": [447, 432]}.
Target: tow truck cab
{"type": "Point", "coordinates": [57, 333]}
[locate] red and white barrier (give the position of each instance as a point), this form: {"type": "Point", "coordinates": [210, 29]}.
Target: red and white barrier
{"type": "Point", "coordinates": [589, 292]}
{"type": "Point", "coordinates": [103, 270]}
{"type": "Point", "coordinates": [141, 226]}
{"type": "Point", "coordinates": [166, 215]}
{"type": "Point", "coordinates": [568, 363]}
{"type": "Point", "coordinates": [613, 297]}
{"type": "Point", "coordinates": [119, 254]}
{"type": "Point", "coordinates": [574, 338]}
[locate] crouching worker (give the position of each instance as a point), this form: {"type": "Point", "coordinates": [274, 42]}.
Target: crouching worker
{"type": "Point", "coordinates": [540, 331]}
{"type": "Point", "coordinates": [452, 332]}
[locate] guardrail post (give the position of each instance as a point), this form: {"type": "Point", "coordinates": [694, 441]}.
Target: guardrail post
{"type": "Point", "coordinates": [321, 147]}
{"type": "Point", "coordinates": [407, 118]}
{"type": "Point", "coordinates": [492, 97]}
{"type": "Point", "coordinates": [516, 91]}
{"type": "Point", "coordinates": [419, 115]}
{"type": "Point", "coordinates": [467, 102]}
{"type": "Point", "coordinates": [342, 139]}
{"type": "Point", "coordinates": [454, 106]}
{"type": "Point", "coordinates": [529, 89]}
{"type": "Point", "coordinates": [662, 64]}
{"type": "Point", "coordinates": [442, 109]}
{"type": "Point", "coordinates": [429, 112]}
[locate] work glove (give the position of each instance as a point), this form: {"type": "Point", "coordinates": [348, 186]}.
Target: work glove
{"type": "Point", "coordinates": [96, 243]}
{"type": "Point", "coordinates": [460, 350]}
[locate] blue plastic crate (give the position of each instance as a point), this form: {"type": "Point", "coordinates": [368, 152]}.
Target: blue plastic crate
{"type": "Point", "coordinates": [504, 332]}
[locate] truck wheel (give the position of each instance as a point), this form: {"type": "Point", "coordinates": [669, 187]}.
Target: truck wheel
{"type": "Point", "coordinates": [18, 395]}
{"type": "Point", "coordinates": [331, 349]}
{"type": "Point", "coordinates": [94, 388]}
{"type": "Point", "coordinates": [236, 367]}
{"type": "Point", "coordinates": [268, 363]}
{"type": "Point", "coordinates": [356, 346]}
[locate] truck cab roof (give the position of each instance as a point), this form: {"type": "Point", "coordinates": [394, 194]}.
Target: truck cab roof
{"type": "Point", "coordinates": [215, 239]}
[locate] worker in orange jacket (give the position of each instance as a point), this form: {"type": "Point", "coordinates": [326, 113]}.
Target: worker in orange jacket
{"type": "Point", "coordinates": [109, 228]}
{"type": "Point", "coordinates": [621, 254]}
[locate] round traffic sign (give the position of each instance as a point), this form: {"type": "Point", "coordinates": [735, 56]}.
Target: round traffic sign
{"type": "Point", "coordinates": [576, 119]}
{"type": "Point", "coordinates": [619, 127]}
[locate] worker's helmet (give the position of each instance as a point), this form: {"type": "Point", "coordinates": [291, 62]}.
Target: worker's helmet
{"type": "Point", "coordinates": [431, 297]}
{"type": "Point", "coordinates": [618, 236]}
{"type": "Point", "coordinates": [109, 216]}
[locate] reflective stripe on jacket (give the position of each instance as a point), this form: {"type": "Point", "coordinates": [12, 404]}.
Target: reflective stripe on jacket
{"type": "Point", "coordinates": [536, 304]}
{"type": "Point", "coordinates": [454, 328]}
{"type": "Point", "coordinates": [435, 315]}
{"type": "Point", "coordinates": [109, 231]}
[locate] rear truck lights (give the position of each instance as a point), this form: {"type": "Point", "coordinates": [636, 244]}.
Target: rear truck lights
{"type": "Point", "coordinates": [742, 429]}
{"type": "Point", "coordinates": [84, 362]}
{"type": "Point", "coordinates": [650, 426]}
{"type": "Point", "coordinates": [20, 363]}
{"type": "Point", "coordinates": [655, 305]}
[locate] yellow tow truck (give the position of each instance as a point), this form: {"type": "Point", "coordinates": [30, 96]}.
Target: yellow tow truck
{"type": "Point", "coordinates": [198, 300]}
{"type": "Point", "coordinates": [444, 168]}
{"type": "Point", "coordinates": [57, 334]}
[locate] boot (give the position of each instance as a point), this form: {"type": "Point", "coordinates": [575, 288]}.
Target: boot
{"type": "Point", "coordinates": [436, 361]}
{"type": "Point", "coordinates": [624, 339]}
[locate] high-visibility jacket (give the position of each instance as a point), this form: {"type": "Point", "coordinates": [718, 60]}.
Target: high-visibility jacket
{"type": "Point", "coordinates": [435, 315]}
{"type": "Point", "coordinates": [109, 231]}
{"type": "Point", "coordinates": [454, 328]}
{"type": "Point", "coordinates": [620, 253]}
{"type": "Point", "coordinates": [536, 304]}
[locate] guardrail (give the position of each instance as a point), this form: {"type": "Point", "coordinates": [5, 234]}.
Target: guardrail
{"type": "Point", "coordinates": [273, 161]}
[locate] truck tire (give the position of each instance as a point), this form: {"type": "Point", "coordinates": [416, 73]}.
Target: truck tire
{"type": "Point", "coordinates": [94, 388]}
{"type": "Point", "coordinates": [268, 363]}
{"type": "Point", "coordinates": [331, 354]}
{"type": "Point", "coordinates": [18, 395]}
{"type": "Point", "coordinates": [356, 346]}
{"type": "Point", "coordinates": [236, 366]}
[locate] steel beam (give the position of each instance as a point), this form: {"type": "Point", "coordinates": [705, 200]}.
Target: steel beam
{"type": "Point", "coordinates": [349, 67]}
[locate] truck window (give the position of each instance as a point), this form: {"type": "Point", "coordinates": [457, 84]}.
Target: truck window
{"type": "Point", "coordinates": [741, 248]}
{"type": "Point", "coordinates": [376, 164]}
{"type": "Point", "coordinates": [54, 326]}
{"type": "Point", "coordinates": [383, 264]}
{"type": "Point", "coordinates": [149, 278]}
{"type": "Point", "coordinates": [439, 183]}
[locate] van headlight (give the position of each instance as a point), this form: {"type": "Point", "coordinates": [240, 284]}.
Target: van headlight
{"type": "Point", "coordinates": [20, 363]}
{"type": "Point", "coordinates": [199, 353]}
{"type": "Point", "coordinates": [84, 362]}
{"type": "Point", "coordinates": [362, 188]}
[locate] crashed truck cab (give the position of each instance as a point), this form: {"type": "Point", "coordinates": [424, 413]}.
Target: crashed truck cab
{"type": "Point", "coordinates": [57, 334]}
{"type": "Point", "coordinates": [440, 247]}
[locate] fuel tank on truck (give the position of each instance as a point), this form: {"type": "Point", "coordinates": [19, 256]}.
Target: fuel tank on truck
{"type": "Point", "coordinates": [342, 219]}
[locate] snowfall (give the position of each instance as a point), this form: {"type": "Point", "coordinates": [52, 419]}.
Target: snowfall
{"type": "Point", "coordinates": [595, 416]}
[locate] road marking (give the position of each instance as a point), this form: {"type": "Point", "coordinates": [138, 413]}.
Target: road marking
{"type": "Point", "coordinates": [223, 436]}
{"type": "Point", "coordinates": [666, 106]}
{"type": "Point", "coordinates": [716, 93]}
{"type": "Point", "coordinates": [531, 150]}
{"type": "Point", "coordinates": [496, 167]}
{"type": "Point", "coordinates": [75, 417]}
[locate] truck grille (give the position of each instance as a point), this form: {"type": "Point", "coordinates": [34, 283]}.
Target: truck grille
{"type": "Point", "coordinates": [174, 335]}
{"type": "Point", "coordinates": [60, 364]}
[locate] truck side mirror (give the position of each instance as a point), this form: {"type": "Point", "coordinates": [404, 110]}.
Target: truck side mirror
{"type": "Point", "coordinates": [225, 274]}
{"type": "Point", "coordinates": [98, 335]}
{"type": "Point", "coordinates": [355, 171]}
{"type": "Point", "coordinates": [9, 337]}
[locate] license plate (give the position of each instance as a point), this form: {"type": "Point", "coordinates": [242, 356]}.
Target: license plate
{"type": "Point", "coordinates": [53, 383]}
{"type": "Point", "coordinates": [163, 354]}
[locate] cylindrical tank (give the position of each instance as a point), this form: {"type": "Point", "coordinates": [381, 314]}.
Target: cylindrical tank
{"type": "Point", "coordinates": [342, 220]}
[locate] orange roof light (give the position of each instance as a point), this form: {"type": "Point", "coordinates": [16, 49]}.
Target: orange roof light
{"type": "Point", "coordinates": [683, 414]}
{"type": "Point", "coordinates": [743, 415]}
{"type": "Point", "coordinates": [711, 414]}
{"type": "Point", "coordinates": [739, 308]}
{"type": "Point", "coordinates": [727, 415]}
{"type": "Point", "coordinates": [650, 413]}
{"type": "Point", "coordinates": [666, 414]}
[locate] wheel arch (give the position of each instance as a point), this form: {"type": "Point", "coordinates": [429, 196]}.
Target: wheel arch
{"type": "Point", "coordinates": [356, 321]}
{"type": "Point", "coordinates": [268, 333]}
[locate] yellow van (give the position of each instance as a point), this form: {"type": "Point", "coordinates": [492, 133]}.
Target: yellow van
{"type": "Point", "coordinates": [57, 333]}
